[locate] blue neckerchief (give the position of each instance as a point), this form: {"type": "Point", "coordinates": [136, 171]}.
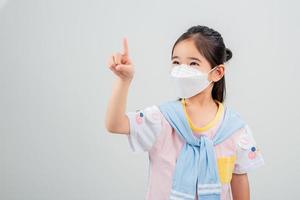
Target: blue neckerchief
{"type": "Point", "coordinates": [196, 164]}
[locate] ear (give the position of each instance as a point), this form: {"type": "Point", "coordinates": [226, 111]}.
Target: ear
{"type": "Point", "coordinates": [218, 73]}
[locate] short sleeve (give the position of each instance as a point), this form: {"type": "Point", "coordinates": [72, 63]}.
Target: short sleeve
{"type": "Point", "coordinates": [249, 155]}
{"type": "Point", "coordinates": [145, 126]}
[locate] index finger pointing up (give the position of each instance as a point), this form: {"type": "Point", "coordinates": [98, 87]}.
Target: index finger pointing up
{"type": "Point", "coordinates": [125, 46]}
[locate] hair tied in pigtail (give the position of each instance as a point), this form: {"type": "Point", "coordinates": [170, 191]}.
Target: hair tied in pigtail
{"type": "Point", "coordinates": [228, 54]}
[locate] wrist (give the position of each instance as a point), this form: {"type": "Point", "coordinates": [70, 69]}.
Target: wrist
{"type": "Point", "coordinates": [124, 81]}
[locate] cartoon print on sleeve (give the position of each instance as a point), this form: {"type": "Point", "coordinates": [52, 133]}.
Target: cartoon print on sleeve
{"type": "Point", "coordinates": [145, 126]}
{"type": "Point", "coordinates": [248, 153]}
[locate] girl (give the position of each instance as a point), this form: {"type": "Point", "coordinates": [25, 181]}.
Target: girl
{"type": "Point", "coordinates": [198, 147]}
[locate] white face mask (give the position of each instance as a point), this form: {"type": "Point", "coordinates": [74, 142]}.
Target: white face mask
{"type": "Point", "coordinates": [188, 80]}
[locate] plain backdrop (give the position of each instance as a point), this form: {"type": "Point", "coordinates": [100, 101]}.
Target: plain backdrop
{"type": "Point", "coordinates": [55, 87]}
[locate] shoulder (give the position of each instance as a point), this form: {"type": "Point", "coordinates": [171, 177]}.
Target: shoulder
{"type": "Point", "coordinates": [170, 107]}
{"type": "Point", "coordinates": [232, 112]}
{"type": "Point", "coordinates": [232, 121]}
{"type": "Point", "coordinates": [236, 115]}
{"type": "Point", "coordinates": [169, 103]}
{"type": "Point", "coordinates": [248, 153]}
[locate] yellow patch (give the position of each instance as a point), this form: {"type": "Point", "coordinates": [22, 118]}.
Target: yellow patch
{"type": "Point", "coordinates": [225, 168]}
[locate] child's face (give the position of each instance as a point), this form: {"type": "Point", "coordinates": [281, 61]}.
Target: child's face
{"type": "Point", "coordinates": [185, 52]}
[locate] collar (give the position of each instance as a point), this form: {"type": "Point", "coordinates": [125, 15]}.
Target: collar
{"type": "Point", "coordinates": [208, 125]}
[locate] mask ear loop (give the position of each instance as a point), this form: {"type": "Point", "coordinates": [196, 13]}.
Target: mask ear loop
{"type": "Point", "coordinates": [211, 71]}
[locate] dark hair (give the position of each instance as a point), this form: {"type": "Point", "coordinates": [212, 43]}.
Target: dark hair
{"type": "Point", "coordinates": [211, 45]}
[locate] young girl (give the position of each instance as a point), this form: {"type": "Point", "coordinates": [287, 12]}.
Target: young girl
{"type": "Point", "coordinates": [198, 147]}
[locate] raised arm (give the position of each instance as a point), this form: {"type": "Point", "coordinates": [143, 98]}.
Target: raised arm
{"type": "Point", "coordinates": [116, 121]}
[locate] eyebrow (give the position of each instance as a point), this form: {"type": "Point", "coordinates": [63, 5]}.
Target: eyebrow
{"type": "Point", "coordinates": [191, 58]}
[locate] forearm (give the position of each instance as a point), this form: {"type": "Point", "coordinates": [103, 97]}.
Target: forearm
{"type": "Point", "coordinates": [116, 120]}
{"type": "Point", "coordinates": [240, 187]}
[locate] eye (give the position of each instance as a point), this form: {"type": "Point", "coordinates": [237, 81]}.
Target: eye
{"type": "Point", "coordinates": [175, 62]}
{"type": "Point", "coordinates": [194, 63]}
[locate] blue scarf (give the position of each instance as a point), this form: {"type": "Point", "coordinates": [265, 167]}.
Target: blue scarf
{"type": "Point", "coordinates": [196, 164]}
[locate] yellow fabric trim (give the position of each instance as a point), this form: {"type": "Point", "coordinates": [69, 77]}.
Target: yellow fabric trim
{"type": "Point", "coordinates": [225, 168]}
{"type": "Point", "coordinates": [207, 126]}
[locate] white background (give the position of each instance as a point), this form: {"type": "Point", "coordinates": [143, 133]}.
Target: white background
{"type": "Point", "coordinates": [55, 87]}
